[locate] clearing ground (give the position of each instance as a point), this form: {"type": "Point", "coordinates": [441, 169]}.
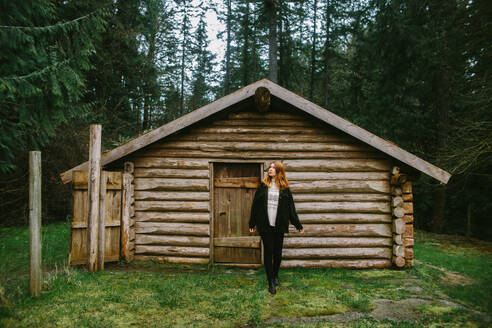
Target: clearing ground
{"type": "Point", "coordinates": [450, 286]}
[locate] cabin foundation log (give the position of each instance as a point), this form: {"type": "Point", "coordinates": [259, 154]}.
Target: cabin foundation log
{"type": "Point", "coordinates": [338, 263]}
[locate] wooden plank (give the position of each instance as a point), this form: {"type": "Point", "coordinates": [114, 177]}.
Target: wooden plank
{"type": "Point", "coordinates": [312, 242]}
{"type": "Point", "coordinates": [337, 165]}
{"type": "Point", "coordinates": [94, 180]}
{"type": "Point", "coordinates": [125, 216]}
{"type": "Point", "coordinates": [264, 122]}
{"type": "Point", "coordinates": [243, 182]}
{"type": "Point", "coordinates": [340, 186]}
{"type": "Point", "coordinates": [163, 205]}
{"type": "Point", "coordinates": [80, 179]}
{"type": "Point", "coordinates": [172, 250]}
{"type": "Point", "coordinates": [170, 163]}
{"type": "Point", "coordinates": [84, 261]}
{"type": "Point", "coordinates": [83, 225]}
{"type": "Point", "coordinates": [346, 230]}
{"type": "Point", "coordinates": [265, 116]}
{"type": "Point", "coordinates": [314, 176]}
{"type": "Point", "coordinates": [323, 136]}
{"type": "Point", "coordinates": [341, 197]}
{"type": "Point", "coordinates": [338, 263]}
{"type": "Point", "coordinates": [334, 120]}
{"type": "Point", "coordinates": [172, 259]}
{"type": "Point", "coordinates": [231, 213]}
{"type": "Point", "coordinates": [142, 239]}
{"type": "Point", "coordinates": [237, 255]}
{"type": "Point", "coordinates": [241, 265]}
{"type": "Point", "coordinates": [170, 173]}
{"type": "Point", "coordinates": [171, 184]}
{"type": "Point", "coordinates": [101, 229]}
{"type": "Point", "coordinates": [247, 241]}
{"type": "Point", "coordinates": [220, 146]}
{"type": "Point", "coordinates": [171, 195]}
{"type": "Point", "coordinates": [212, 211]}
{"type": "Point", "coordinates": [190, 217]}
{"type": "Point", "coordinates": [255, 155]}
{"type": "Point", "coordinates": [165, 228]}
{"type": "Point", "coordinates": [344, 207]}
{"type": "Point", "coordinates": [337, 252]}
{"type": "Point", "coordinates": [257, 130]}
{"type": "Point", "coordinates": [321, 218]}
{"type": "Point", "coordinates": [35, 260]}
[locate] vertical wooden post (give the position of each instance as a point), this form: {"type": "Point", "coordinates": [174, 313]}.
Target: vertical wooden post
{"type": "Point", "coordinates": [211, 214]}
{"type": "Point", "coordinates": [101, 240]}
{"type": "Point", "coordinates": [127, 200]}
{"type": "Point", "coordinates": [94, 182]}
{"type": "Point", "coordinates": [35, 222]}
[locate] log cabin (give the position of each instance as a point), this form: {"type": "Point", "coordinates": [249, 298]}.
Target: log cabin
{"type": "Point", "coordinates": [182, 192]}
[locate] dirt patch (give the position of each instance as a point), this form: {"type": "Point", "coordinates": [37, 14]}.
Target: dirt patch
{"type": "Point", "coordinates": [449, 277]}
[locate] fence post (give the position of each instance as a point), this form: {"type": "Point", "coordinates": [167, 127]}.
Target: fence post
{"type": "Point", "coordinates": [35, 222]}
{"type": "Point", "coordinates": [94, 184]}
{"type": "Point", "coordinates": [102, 222]}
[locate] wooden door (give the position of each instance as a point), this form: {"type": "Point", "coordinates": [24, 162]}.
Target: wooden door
{"type": "Point", "coordinates": [234, 188]}
{"type": "Point", "coordinates": [78, 240]}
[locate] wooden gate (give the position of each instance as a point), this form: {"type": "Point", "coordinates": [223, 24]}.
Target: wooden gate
{"type": "Point", "coordinates": [78, 240]}
{"type": "Point", "coordinates": [234, 188]}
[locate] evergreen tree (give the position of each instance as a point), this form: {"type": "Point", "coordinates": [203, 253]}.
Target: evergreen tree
{"type": "Point", "coordinates": [46, 49]}
{"type": "Point", "coordinates": [203, 71]}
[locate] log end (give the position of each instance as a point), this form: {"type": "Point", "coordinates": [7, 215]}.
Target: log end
{"type": "Point", "coordinates": [262, 99]}
{"type": "Point", "coordinates": [399, 261]}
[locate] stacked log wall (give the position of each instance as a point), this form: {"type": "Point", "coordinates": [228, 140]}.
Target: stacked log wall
{"type": "Point", "coordinates": [341, 189]}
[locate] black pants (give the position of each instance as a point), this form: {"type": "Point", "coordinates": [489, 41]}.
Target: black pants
{"type": "Point", "coordinates": [272, 245]}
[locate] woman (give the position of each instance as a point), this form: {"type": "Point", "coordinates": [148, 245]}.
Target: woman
{"type": "Point", "coordinates": [272, 209]}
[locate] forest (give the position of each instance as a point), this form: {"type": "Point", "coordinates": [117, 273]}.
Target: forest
{"type": "Point", "coordinates": [414, 72]}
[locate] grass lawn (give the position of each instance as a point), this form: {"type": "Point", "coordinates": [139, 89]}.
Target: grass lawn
{"type": "Point", "coordinates": [147, 294]}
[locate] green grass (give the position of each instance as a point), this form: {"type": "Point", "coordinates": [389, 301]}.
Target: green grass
{"type": "Point", "coordinates": [148, 294]}
{"type": "Point", "coordinates": [460, 257]}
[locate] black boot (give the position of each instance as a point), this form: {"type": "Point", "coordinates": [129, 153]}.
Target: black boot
{"type": "Point", "coordinates": [275, 281]}
{"type": "Point", "coordinates": [271, 287]}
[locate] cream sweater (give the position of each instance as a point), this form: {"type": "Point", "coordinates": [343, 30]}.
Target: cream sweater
{"type": "Point", "coordinates": [272, 204]}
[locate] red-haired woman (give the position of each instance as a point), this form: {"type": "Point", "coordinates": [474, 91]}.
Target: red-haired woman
{"type": "Point", "coordinates": [272, 209]}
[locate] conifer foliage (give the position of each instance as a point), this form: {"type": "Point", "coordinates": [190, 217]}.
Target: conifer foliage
{"type": "Point", "coordinates": [46, 49]}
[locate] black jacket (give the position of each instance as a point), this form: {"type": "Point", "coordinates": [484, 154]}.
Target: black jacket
{"type": "Point", "coordinates": [286, 211]}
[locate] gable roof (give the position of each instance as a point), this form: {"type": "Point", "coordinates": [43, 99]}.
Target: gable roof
{"type": "Point", "coordinates": [287, 96]}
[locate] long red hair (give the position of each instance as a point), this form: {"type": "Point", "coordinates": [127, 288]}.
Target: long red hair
{"type": "Point", "coordinates": [280, 178]}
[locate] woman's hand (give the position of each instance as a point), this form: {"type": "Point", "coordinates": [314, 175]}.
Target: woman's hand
{"type": "Point", "coordinates": [301, 231]}
{"type": "Point", "coordinates": [252, 229]}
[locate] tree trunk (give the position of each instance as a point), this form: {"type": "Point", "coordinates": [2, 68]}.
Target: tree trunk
{"type": "Point", "coordinates": [227, 82]}
{"type": "Point", "coordinates": [246, 57]}
{"type": "Point", "coordinates": [327, 55]}
{"type": "Point", "coordinates": [147, 96]}
{"type": "Point", "coordinates": [272, 40]}
{"type": "Point", "coordinates": [313, 52]}
{"type": "Point", "coordinates": [183, 56]}
{"type": "Point", "coordinates": [443, 90]}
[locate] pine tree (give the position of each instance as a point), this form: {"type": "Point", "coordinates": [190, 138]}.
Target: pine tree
{"type": "Point", "coordinates": [203, 71]}
{"type": "Point", "coordinates": [46, 49]}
